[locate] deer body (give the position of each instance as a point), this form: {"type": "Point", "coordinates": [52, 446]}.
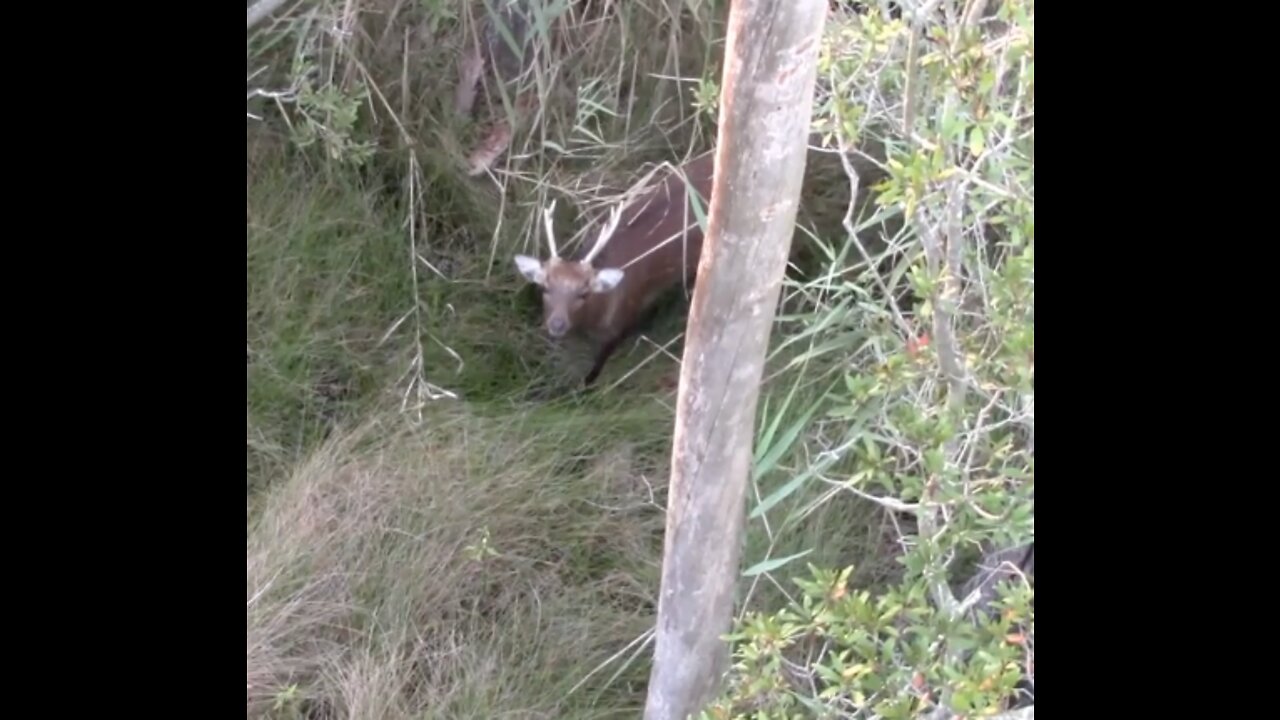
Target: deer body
{"type": "Point", "coordinates": [648, 248]}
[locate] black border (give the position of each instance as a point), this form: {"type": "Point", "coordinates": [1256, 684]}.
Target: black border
{"type": "Point", "coordinates": [168, 536]}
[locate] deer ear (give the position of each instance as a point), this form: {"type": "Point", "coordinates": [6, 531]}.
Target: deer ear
{"type": "Point", "coordinates": [606, 280]}
{"type": "Point", "coordinates": [531, 269]}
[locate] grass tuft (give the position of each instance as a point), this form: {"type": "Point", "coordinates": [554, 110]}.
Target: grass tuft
{"type": "Point", "coordinates": [475, 566]}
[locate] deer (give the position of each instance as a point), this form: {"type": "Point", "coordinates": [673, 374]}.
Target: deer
{"type": "Point", "coordinates": [641, 252]}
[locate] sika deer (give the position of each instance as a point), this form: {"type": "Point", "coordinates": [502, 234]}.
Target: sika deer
{"type": "Point", "coordinates": [641, 252]}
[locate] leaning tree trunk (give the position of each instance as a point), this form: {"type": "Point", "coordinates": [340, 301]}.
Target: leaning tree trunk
{"type": "Point", "coordinates": [766, 105]}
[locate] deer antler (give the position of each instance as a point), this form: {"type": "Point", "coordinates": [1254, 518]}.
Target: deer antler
{"type": "Point", "coordinates": [605, 233]}
{"type": "Point", "coordinates": [551, 236]}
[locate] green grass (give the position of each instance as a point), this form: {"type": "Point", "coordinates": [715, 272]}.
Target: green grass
{"type": "Point", "coordinates": [334, 329]}
{"type": "Point", "coordinates": [363, 509]}
{"type": "Point", "coordinates": [323, 268]}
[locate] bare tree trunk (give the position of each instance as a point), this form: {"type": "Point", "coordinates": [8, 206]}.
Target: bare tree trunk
{"type": "Point", "coordinates": [766, 106]}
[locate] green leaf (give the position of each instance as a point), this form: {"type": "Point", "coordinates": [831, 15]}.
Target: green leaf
{"type": "Point", "coordinates": [772, 564]}
{"type": "Point", "coordinates": [977, 141]}
{"type": "Point", "coordinates": [781, 493]}
{"type": "Point", "coordinates": [774, 453]}
{"type": "Point", "coordinates": [934, 460]}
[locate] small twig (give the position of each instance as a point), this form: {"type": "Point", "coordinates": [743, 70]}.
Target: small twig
{"type": "Point", "coordinates": [888, 503]}
{"type": "Point", "coordinates": [261, 9]}
{"type": "Point", "coordinates": [847, 222]}
{"type": "Point", "coordinates": [1026, 713]}
{"type": "Point", "coordinates": [642, 642]}
{"type": "Point", "coordinates": [918, 15]}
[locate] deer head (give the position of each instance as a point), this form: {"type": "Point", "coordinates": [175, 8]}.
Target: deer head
{"type": "Point", "coordinates": [567, 285]}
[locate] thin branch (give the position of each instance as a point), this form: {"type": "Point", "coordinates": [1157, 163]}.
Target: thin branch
{"type": "Point", "coordinates": [998, 565]}
{"type": "Point", "coordinates": [261, 9]}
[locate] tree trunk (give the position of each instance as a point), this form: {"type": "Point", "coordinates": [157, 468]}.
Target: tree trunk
{"type": "Point", "coordinates": [766, 105]}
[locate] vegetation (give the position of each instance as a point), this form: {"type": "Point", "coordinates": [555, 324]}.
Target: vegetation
{"type": "Point", "coordinates": [441, 525]}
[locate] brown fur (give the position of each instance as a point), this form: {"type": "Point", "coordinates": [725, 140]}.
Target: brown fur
{"type": "Point", "coordinates": [589, 299]}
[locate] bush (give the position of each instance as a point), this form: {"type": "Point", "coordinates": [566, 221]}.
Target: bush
{"type": "Point", "coordinates": [929, 346]}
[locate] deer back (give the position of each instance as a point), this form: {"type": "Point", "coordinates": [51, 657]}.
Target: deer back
{"type": "Point", "coordinates": [658, 241]}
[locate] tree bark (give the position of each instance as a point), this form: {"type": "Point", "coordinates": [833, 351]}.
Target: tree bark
{"type": "Point", "coordinates": [765, 111]}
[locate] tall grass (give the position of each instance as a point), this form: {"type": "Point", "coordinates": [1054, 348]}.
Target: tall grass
{"type": "Point", "coordinates": [480, 569]}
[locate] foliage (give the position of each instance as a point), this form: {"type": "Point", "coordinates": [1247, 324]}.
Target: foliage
{"type": "Point", "coordinates": [840, 651]}
{"type": "Point", "coordinates": [920, 372]}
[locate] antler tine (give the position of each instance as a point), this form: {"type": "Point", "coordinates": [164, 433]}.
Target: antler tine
{"type": "Point", "coordinates": [605, 233]}
{"type": "Point", "coordinates": [551, 236]}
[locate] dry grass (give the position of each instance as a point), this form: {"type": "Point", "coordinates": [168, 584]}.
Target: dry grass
{"type": "Point", "coordinates": [472, 569]}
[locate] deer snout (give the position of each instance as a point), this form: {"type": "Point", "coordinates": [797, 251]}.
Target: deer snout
{"type": "Point", "coordinates": [557, 325]}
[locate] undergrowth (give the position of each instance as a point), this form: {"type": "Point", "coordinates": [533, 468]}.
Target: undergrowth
{"type": "Point", "coordinates": [480, 568]}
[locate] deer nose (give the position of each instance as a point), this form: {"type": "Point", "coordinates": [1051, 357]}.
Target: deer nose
{"type": "Point", "coordinates": [557, 326]}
